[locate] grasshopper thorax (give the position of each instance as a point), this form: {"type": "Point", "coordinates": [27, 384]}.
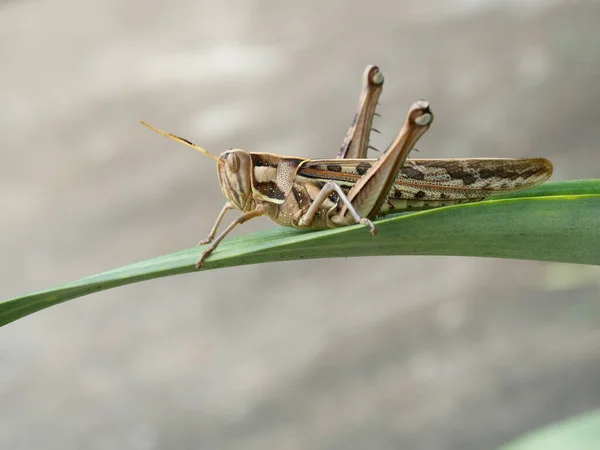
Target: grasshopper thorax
{"type": "Point", "coordinates": [235, 177]}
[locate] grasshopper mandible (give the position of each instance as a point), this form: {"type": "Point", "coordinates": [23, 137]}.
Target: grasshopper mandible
{"type": "Point", "coordinates": [351, 189]}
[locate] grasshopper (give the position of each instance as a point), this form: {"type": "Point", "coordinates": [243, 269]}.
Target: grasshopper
{"type": "Point", "coordinates": [352, 189]}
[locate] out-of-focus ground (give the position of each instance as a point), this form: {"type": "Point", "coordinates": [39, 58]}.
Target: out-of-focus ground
{"type": "Point", "coordinates": [386, 353]}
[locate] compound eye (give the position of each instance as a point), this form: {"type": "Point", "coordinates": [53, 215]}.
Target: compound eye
{"type": "Point", "coordinates": [233, 162]}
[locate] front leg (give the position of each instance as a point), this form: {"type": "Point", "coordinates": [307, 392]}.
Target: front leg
{"type": "Point", "coordinates": [215, 227]}
{"type": "Point", "coordinates": [259, 211]}
{"type": "Point", "coordinates": [317, 203]}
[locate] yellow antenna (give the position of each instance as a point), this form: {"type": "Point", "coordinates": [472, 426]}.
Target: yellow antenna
{"type": "Point", "coordinates": [182, 141]}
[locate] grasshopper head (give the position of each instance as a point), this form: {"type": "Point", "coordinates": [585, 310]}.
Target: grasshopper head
{"type": "Point", "coordinates": [235, 177]}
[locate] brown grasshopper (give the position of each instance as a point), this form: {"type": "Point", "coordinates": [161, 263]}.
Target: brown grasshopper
{"type": "Point", "coordinates": [351, 189]}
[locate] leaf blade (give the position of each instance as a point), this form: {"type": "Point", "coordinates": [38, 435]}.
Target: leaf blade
{"type": "Point", "coordinates": [544, 226]}
{"type": "Point", "coordinates": [578, 433]}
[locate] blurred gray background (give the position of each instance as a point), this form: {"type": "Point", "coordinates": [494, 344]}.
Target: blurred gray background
{"type": "Point", "coordinates": [386, 353]}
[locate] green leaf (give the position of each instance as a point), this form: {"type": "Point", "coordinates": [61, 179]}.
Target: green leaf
{"type": "Point", "coordinates": [554, 222]}
{"type": "Point", "coordinates": [580, 433]}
